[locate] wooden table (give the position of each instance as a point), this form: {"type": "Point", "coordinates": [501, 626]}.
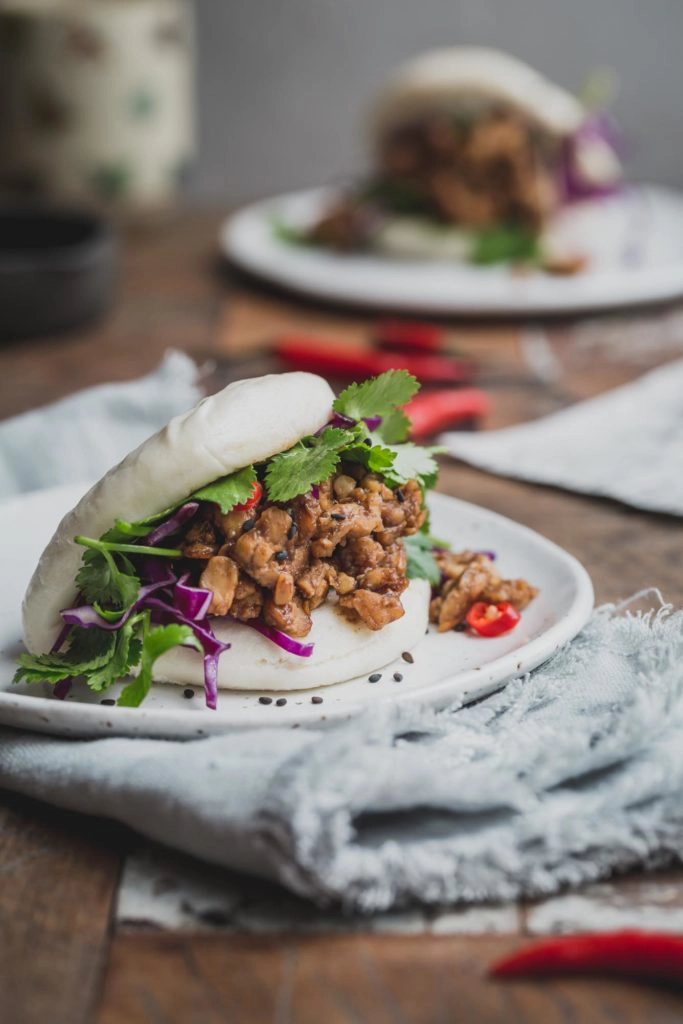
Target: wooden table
{"type": "Point", "coordinates": [98, 925]}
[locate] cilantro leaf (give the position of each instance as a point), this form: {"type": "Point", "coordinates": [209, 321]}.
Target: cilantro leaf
{"type": "Point", "coordinates": [309, 462]}
{"type": "Point", "coordinates": [156, 642]}
{"type": "Point", "coordinates": [229, 491]}
{"type": "Point", "coordinates": [125, 656]}
{"type": "Point", "coordinates": [421, 562]}
{"type": "Point", "coordinates": [505, 243]}
{"type": "Point", "coordinates": [375, 458]}
{"type": "Point", "coordinates": [395, 427]}
{"type": "Point", "coordinates": [413, 463]}
{"type": "Point", "coordinates": [101, 581]}
{"type": "Point", "coordinates": [377, 396]}
{"type": "Point", "coordinates": [89, 650]}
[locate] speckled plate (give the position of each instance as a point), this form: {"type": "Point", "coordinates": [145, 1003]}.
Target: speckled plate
{"type": "Point", "coordinates": [446, 668]}
{"type": "Point", "coordinates": [633, 242]}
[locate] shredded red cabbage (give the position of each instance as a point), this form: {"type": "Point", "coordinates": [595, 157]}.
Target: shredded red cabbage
{"type": "Point", "coordinates": [61, 639]}
{"type": "Point", "coordinates": [173, 523]}
{"type": "Point", "coordinates": [86, 616]}
{"type": "Point", "coordinates": [154, 569]}
{"type": "Point", "coordinates": [287, 643]}
{"type": "Point", "coordinates": [62, 688]}
{"type": "Point", "coordinates": [212, 646]}
{"type": "Point", "coordinates": [315, 491]}
{"type": "Point", "coordinates": [193, 602]}
{"type": "Point", "coordinates": [372, 422]}
{"type": "Point", "coordinates": [211, 680]}
{"type": "Point", "coordinates": [339, 420]}
{"type": "Point", "coordinates": [601, 126]}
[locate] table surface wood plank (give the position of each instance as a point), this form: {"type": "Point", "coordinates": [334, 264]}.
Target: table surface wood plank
{"type": "Point", "coordinates": [58, 882]}
{"type": "Point", "coordinates": [58, 878]}
{"type": "Point", "coordinates": [185, 979]}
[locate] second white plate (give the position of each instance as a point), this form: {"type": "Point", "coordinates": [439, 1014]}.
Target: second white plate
{"type": "Point", "coordinates": [447, 667]}
{"type": "Point", "coordinates": [634, 243]}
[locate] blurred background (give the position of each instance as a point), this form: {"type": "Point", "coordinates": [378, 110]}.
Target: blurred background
{"type": "Point", "coordinates": [282, 86]}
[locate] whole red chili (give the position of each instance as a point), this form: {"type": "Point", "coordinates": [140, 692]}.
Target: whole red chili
{"type": "Point", "coordinates": [256, 492]}
{"type": "Point", "coordinates": [492, 619]}
{"type": "Point", "coordinates": [648, 956]}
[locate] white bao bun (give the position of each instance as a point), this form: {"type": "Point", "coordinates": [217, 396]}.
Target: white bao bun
{"type": "Point", "coordinates": [342, 651]}
{"type": "Point", "coordinates": [448, 80]}
{"type": "Point", "coordinates": [249, 421]}
{"type": "Point", "coordinates": [246, 422]}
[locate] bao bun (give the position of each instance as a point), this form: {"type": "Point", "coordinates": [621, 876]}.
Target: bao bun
{"type": "Point", "coordinates": [472, 78]}
{"type": "Point", "coordinates": [247, 422]}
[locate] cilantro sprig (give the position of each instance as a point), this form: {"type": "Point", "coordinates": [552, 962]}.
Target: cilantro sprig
{"type": "Point", "coordinates": [382, 450]}
{"type": "Point", "coordinates": [378, 396]}
{"type": "Point", "coordinates": [102, 657]}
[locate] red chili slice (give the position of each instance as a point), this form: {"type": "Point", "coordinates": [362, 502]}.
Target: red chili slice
{"type": "Point", "coordinates": [256, 492]}
{"type": "Point", "coordinates": [492, 619]}
{"type": "Point", "coordinates": [652, 956]}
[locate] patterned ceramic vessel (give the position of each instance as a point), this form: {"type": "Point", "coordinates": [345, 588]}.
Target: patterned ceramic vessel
{"type": "Point", "coordinates": [97, 100]}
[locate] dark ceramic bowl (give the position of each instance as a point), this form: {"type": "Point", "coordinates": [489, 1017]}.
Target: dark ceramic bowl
{"type": "Point", "coordinates": [57, 269]}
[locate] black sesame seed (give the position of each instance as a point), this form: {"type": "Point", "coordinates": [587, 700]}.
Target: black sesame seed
{"type": "Point", "coordinates": [281, 701]}
{"type": "Point", "coordinates": [291, 532]}
{"type": "Point", "coordinates": [375, 677]}
{"type": "Point", "coordinates": [407, 656]}
{"type": "Point", "coordinates": [398, 677]}
{"type": "Point", "coordinates": [316, 700]}
{"type": "Point", "coordinates": [265, 700]}
{"type": "Point", "coordinates": [281, 556]}
{"type": "Point", "coordinates": [399, 494]}
{"type": "Point", "coordinates": [108, 700]}
{"type": "Point", "coordinates": [248, 524]}
{"type": "Point", "coordinates": [188, 693]}
{"type": "Point", "coordinates": [337, 515]}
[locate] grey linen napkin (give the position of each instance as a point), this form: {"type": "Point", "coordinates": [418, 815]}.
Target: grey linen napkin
{"type": "Point", "coordinates": [561, 778]}
{"type": "Point", "coordinates": [626, 444]}
{"type": "Point", "coordinates": [567, 775]}
{"type": "Point", "coordinates": [81, 436]}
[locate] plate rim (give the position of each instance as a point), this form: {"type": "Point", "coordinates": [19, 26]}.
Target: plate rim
{"type": "Point", "coordinates": [42, 714]}
{"type": "Point", "coordinates": [643, 285]}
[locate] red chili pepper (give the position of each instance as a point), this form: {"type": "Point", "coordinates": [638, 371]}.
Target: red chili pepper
{"type": "Point", "coordinates": [649, 956]}
{"type": "Point", "coordinates": [320, 355]}
{"type": "Point", "coordinates": [492, 619]}
{"type": "Point", "coordinates": [433, 411]}
{"type": "Point", "coordinates": [408, 334]}
{"type": "Point", "coordinates": [256, 492]}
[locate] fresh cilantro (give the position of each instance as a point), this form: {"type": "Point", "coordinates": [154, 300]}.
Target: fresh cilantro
{"type": "Point", "coordinates": [229, 491]}
{"type": "Point", "coordinates": [378, 396]}
{"type": "Point", "coordinates": [155, 643]}
{"type": "Point", "coordinates": [89, 651]}
{"type": "Point", "coordinates": [125, 656]}
{"type": "Point", "coordinates": [102, 581]}
{"type": "Point", "coordinates": [287, 233]}
{"type": "Point", "coordinates": [309, 462]}
{"type": "Point", "coordinates": [376, 458]}
{"type": "Point", "coordinates": [395, 427]}
{"type": "Point", "coordinates": [505, 243]}
{"type": "Point", "coordinates": [421, 562]}
{"type": "Point", "coordinates": [413, 463]}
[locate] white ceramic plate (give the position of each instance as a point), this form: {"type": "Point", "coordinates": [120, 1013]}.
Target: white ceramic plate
{"type": "Point", "coordinates": [447, 667]}
{"type": "Point", "coordinates": [634, 243]}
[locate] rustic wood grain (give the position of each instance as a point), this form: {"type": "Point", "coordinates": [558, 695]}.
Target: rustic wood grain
{"type": "Point", "coordinates": [58, 876]}
{"type": "Point", "coordinates": [351, 980]}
